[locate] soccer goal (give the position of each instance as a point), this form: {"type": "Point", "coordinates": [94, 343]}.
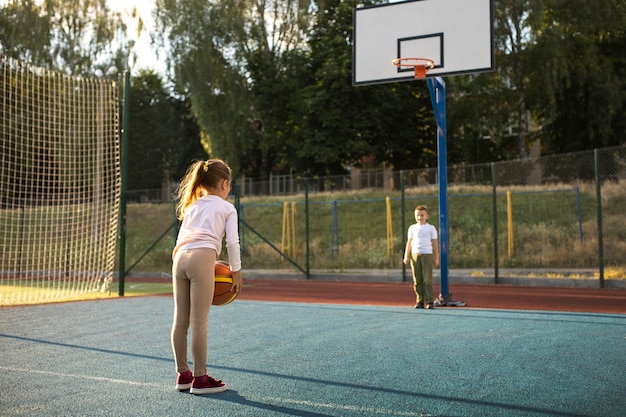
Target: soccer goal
{"type": "Point", "coordinates": [59, 182]}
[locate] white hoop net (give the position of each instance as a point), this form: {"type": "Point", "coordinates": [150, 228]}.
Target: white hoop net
{"type": "Point", "coordinates": [59, 182]}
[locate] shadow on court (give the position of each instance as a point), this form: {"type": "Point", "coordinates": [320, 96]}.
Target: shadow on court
{"type": "Point", "coordinates": [113, 358]}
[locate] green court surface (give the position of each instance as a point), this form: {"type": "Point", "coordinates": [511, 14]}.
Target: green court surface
{"type": "Point", "coordinates": [113, 358]}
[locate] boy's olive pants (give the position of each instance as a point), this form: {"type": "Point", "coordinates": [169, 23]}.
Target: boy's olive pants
{"type": "Point", "coordinates": [422, 268]}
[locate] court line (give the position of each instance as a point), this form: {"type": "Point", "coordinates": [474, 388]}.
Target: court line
{"type": "Point", "coordinates": [344, 407]}
{"type": "Point", "coordinates": [372, 411]}
{"type": "Point", "coordinates": [82, 376]}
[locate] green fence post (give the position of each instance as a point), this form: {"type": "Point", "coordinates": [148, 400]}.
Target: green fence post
{"type": "Point", "coordinates": [123, 183]}
{"type": "Point", "coordinates": [599, 212]}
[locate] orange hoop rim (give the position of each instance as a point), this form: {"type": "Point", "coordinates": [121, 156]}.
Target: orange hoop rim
{"type": "Point", "coordinates": [420, 65]}
{"type": "Point", "coordinates": [412, 62]}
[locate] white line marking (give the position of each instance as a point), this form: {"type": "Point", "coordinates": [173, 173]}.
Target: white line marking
{"type": "Point", "coordinates": [89, 377]}
{"type": "Point", "coordinates": [368, 410]}
{"type": "Point", "coordinates": [345, 407]}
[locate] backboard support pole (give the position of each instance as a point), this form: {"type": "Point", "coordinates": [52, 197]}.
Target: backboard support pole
{"type": "Point", "coordinates": [437, 88]}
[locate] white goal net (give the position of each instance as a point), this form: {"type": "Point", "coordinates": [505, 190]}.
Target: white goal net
{"type": "Point", "coordinates": [59, 183]}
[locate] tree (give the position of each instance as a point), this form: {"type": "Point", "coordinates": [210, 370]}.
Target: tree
{"type": "Point", "coordinates": [163, 134]}
{"type": "Point", "coordinates": [222, 54]}
{"type": "Point", "coordinates": [25, 33]}
{"type": "Point", "coordinates": [84, 34]}
{"type": "Point", "coordinates": [270, 84]}
{"type": "Point", "coordinates": [559, 77]}
{"type": "Point", "coordinates": [85, 38]}
{"type": "Point", "coordinates": [78, 37]}
{"type": "Point", "coordinates": [489, 113]}
{"type": "Point", "coordinates": [347, 125]}
{"type": "Point", "coordinates": [578, 87]}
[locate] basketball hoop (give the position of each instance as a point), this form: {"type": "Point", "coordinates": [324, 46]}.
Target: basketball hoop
{"type": "Point", "coordinates": [420, 65]}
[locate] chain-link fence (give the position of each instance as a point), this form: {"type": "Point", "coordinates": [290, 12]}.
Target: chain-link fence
{"type": "Point", "coordinates": [562, 212]}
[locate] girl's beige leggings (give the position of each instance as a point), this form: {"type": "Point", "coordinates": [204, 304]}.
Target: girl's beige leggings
{"type": "Point", "coordinates": [193, 279]}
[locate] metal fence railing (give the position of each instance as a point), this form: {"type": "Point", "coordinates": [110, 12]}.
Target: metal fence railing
{"type": "Point", "coordinates": [561, 213]}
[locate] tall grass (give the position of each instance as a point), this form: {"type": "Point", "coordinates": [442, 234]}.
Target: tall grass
{"type": "Point", "coordinates": [545, 228]}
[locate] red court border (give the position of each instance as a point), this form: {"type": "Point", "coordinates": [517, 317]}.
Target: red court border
{"type": "Point", "coordinates": [592, 300]}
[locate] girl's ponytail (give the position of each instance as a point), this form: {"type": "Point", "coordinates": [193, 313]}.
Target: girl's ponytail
{"type": "Point", "coordinates": [200, 176]}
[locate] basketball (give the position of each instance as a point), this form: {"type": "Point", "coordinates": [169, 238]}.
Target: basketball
{"type": "Point", "coordinates": [224, 292]}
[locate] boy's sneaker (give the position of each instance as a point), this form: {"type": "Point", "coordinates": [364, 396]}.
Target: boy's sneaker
{"type": "Point", "coordinates": [183, 381]}
{"type": "Point", "coordinates": [207, 385]}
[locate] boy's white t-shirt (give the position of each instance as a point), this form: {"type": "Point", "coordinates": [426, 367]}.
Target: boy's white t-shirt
{"type": "Point", "coordinates": [205, 224]}
{"type": "Point", "coordinates": [422, 238]}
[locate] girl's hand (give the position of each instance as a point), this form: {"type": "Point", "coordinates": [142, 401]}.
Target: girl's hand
{"type": "Point", "coordinates": [237, 280]}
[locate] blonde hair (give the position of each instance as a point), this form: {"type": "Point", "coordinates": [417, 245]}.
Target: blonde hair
{"type": "Point", "coordinates": [200, 176]}
{"type": "Point", "coordinates": [421, 207]}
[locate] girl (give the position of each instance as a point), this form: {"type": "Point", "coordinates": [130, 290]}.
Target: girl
{"type": "Point", "coordinates": [206, 217]}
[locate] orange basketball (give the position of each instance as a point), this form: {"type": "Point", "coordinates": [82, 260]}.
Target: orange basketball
{"type": "Point", "coordinates": [224, 292]}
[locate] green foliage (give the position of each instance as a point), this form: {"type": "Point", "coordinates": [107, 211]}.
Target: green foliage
{"type": "Point", "coordinates": [25, 33]}
{"type": "Point", "coordinates": [234, 65]}
{"type": "Point", "coordinates": [269, 83]}
{"type": "Point", "coordinates": [578, 90]}
{"type": "Point", "coordinates": [278, 98]}
{"type": "Point", "coordinates": [75, 37]}
{"type": "Point", "coordinates": [163, 134]}
{"type": "Point", "coordinates": [368, 125]}
{"type": "Point", "coordinates": [559, 78]}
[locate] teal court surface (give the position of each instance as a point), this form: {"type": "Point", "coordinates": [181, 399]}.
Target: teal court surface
{"type": "Point", "coordinates": [113, 358]}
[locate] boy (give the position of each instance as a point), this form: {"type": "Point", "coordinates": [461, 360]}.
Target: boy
{"type": "Point", "coordinates": [422, 249]}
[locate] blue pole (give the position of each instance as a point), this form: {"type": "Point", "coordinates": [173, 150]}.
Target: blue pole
{"type": "Point", "coordinates": [437, 88]}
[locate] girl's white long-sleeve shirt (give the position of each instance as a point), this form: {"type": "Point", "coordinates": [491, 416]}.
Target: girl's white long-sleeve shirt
{"type": "Point", "coordinates": [205, 224]}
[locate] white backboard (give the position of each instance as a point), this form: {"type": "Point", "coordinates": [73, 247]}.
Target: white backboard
{"type": "Point", "coordinates": [456, 34]}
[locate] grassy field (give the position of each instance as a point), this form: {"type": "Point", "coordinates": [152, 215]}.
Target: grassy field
{"type": "Point", "coordinates": [538, 227]}
{"type": "Point", "coordinates": [21, 295]}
